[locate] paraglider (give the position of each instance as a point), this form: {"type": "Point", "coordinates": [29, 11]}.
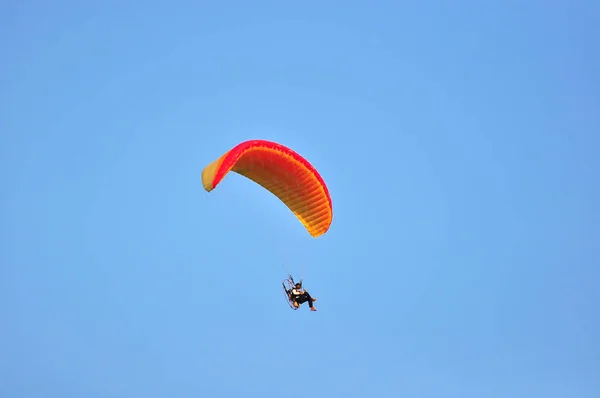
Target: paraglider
{"type": "Point", "coordinates": [289, 177]}
{"type": "Point", "coordinates": [296, 295]}
{"type": "Point", "coordinates": [284, 173]}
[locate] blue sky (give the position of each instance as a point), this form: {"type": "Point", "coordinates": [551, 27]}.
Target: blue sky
{"type": "Point", "coordinates": [460, 144]}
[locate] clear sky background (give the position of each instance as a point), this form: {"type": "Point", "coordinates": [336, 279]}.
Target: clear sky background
{"type": "Point", "coordinates": [460, 144]}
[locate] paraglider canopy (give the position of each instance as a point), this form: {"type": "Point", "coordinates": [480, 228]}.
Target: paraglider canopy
{"type": "Point", "coordinates": [284, 173]}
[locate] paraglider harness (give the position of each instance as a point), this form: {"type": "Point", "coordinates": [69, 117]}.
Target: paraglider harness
{"type": "Point", "coordinates": [288, 285]}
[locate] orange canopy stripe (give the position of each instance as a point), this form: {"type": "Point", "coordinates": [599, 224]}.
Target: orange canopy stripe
{"type": "Point", "coordinates": [284, 173]}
